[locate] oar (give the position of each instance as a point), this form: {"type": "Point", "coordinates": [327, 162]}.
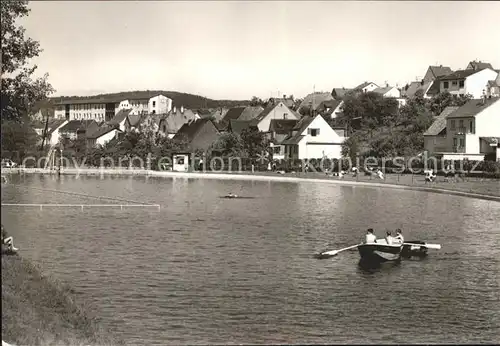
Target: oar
{"type": "Point", "coordinates": [335, 252]}
{"type": "Point", "coordinates": [429, 246]}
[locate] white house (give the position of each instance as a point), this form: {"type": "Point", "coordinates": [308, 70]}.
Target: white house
{"type": "Point", "coordinates": [388, 91]}
{"type": "Point", "coordinates": [470, 81]}
{"type": "Point", "coordinates": [102, 135]}
{"type": "Point", "coordinates": [120, 119]}
{"type": "Point", "coordinates": [53, 127]}
{"type": "Point", "coordinates": [472, 131]}
{"type": "Point", "coordinates": [276, 111]}
{"type": "Point", "coordinates": [366, 87]}
{"type": "Point", "coordinates": [313, 138]}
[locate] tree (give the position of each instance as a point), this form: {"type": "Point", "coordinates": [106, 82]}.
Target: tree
{"type": "Point", "coordinates": [19, 91]}
{"type": "Point", "coordinates": [228, 144]}
{"type": "Point", "coordinates": [255, 143]}
{"type": "Point", "coordinates": [445, 99]}
{"type": "Point", "coordinates": [256, 101]}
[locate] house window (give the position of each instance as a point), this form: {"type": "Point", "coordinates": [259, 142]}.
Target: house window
{"type": "Point", "coordinates": [461, 84]}
{"type": "Point", "coordinates": [454, 142]}
{"type": "Point", "coordinates": [454, 82]}
{"type": "Point", "coordinates": [313, 132]}
{"type": "Point", "coordinates": [285, 115]}
{"type": "Point", "coordinates": [462, 142]}
{"type": "Point", "coordinates": [461, 123]}
{"type": "Point", "coordinates": [154, 103]}
{"type": "Point", "coordinates": [453, 124]}
{"type": "Point", "coordinates": [446, 85]}
{"type": "Point", "coordinates": [277, 150]}
{"type": "Point", "coordinates": [471, 126]}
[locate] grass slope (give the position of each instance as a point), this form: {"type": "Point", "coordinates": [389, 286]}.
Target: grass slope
{"type": "Point", "coordinates": [38, 310]}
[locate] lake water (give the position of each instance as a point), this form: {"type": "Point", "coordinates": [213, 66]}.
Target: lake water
{"type": "Point", "coordinates": [206, 270]}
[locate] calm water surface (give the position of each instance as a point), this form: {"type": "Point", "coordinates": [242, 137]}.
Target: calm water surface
{"type": "Point", "coordinates": [205, 270]}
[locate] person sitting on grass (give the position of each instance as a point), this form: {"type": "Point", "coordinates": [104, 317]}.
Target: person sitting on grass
{"type": "Point", "coordinates": [7, 242]}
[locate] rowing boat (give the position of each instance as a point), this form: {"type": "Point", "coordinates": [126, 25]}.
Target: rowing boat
{"type": "Point", "coordinates": [380, 251]}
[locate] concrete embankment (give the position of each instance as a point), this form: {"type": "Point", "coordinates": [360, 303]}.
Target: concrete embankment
{"type": "Point", "coordinates": [39, 310]}
{"type": "Point", "coordinates": [473, 190]}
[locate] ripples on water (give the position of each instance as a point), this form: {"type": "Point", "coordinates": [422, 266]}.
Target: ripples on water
{"type": "Point", "coordinates": [205, 270]}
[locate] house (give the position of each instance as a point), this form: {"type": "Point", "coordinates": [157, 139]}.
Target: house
{"type": "Point", "coordinates": [105, 108]}
{"type": "Point", "coordinates": [435, 136]}
{"type": "Point", "coordinates": [331, 108]}
{"type": "Point", "coordinates": [340, 93]}
{"type": "Point", "coordinates": [312, 101]}
{"type": "Point", "coordinates": [237, 126]}
{"type": "Point", "coordinates": [53, 127]}
{"type": "Point", "coordinates": [279, 129]}
{"type": "Point", "coordinates": [410, 91]}
{"type": "Point", "coordinates": [469, 81]}
{"type": "Point", "coordinates": [366, 87]}
{"type": "Point", "coordinates": [313, 138]}
{"type": "Point", "coordinates": [101, 136]}
{"type": "Point", "coordinates": [133, 122]}
{"type": "Point", "coordinates": [472, 131]}
{"type": "Point", "coordinates": [435, 72]}
{"type": "Point", "coordinates": [287, 101]}
{"type": "Point", "coordinates": [219, 113]}
{"type": "Point", "coordinates": [145, 102]}
{"type": "Point", "coordinates": [493, 87]}
{"type": "Point", "coordinates": [275, 111]}
{"type": "Point", "coordinates": [98, 109]}
{"type": "Point", "coordinates": [478, 65]}
{"type": "Point", "coordinates": [199, 134]}
{"type": "Point", "coordinates": [175, 119]}
{"type": "Point", "coordinates": [240, 113]}
{"type": "Point", "coordinates": [120, 119]}
{"type": "Point", "coordinates": [388, 91]}
{"type": "Point", "coordinates": [75, 129]}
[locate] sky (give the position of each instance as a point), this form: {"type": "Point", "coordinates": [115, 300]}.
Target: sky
{"type": "Point", "coordinates": [238, 49]}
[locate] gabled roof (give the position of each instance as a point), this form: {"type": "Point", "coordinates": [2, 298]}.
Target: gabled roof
{"type": "Point", "coordinates": [480, 65]}
{"type": "Point", "coordinates": [175, 120]}
{"type": "Point", "coordinates": [233, 114]}
{"type": "Point", "coordinates": [473, 108]}
{"type": "Point", "coordinates": [135, 119]}
{"type": "Point", "coordinates": [415, 86]}
{"type": "Point", "coordinates": [282, 126]}
{"type": "Point", "coordinates": [300, 127]}
{"type": "Point", "coordinates": [460, 74]}
{"type": "Point", "coordinates": [76, 125]}
{"type": "Point", "coordinates": [363, 85]}
{"type": "Point", "coordinates": [190, 130]}
{"type": "Point", "coordinates": [120, 116]}
{"type": "Point", "coordinates": [264, 113]}
{"type": "Point", "coordinates": [439, 71]}
{"type": "Point", "coordinates": [237, 126]}
{"type": "Point", "coordinates": [439, 123]}
{"type": "Point", "coordinates": [315, 99]}
{"type": "Point", "coordinates": [250, 113]}
{"type": "Point", "coordinates": [382, 90]}
{"type": "Point", "coordinates": [435, 87]}
{"type": "Point", "coordinates": [94, 100]}
{"type": "Point", "coordinates": [493, 83]}
{"type": "Point", "coordinates": [339, 93]}
{"type": "Point", "coordinates": [103, 130]}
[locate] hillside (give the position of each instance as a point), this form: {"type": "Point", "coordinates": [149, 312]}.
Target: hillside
{"type": "Point", "coordinates": [179, 99]}
{"type": "Point", "coordinates": [38, 310]}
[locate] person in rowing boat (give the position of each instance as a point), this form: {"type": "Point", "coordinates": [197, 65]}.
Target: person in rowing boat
{"type": "Point", "coordinates": [231, 195]}
{"type": "Point", "coordinates": [370, 237]}
{"type": "Point", "coordinates": [399, 236]}
{"type": "Point", "coordinates": [389, 238]}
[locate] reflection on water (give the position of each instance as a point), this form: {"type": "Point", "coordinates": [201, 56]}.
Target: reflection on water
{"type": "Point", "coordinates": [210, 270]}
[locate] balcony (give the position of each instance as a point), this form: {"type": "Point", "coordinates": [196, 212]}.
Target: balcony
{"type": "Point", "coordinates": [461, 130]}
{"type": "Point", "coordinates": [459, 149]}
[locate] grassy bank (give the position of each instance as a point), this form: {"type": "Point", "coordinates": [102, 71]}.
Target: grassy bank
{"type": "Point", "coordinates": [38, 310]}
{"type": "Point", "coordinates": [474, 185]}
